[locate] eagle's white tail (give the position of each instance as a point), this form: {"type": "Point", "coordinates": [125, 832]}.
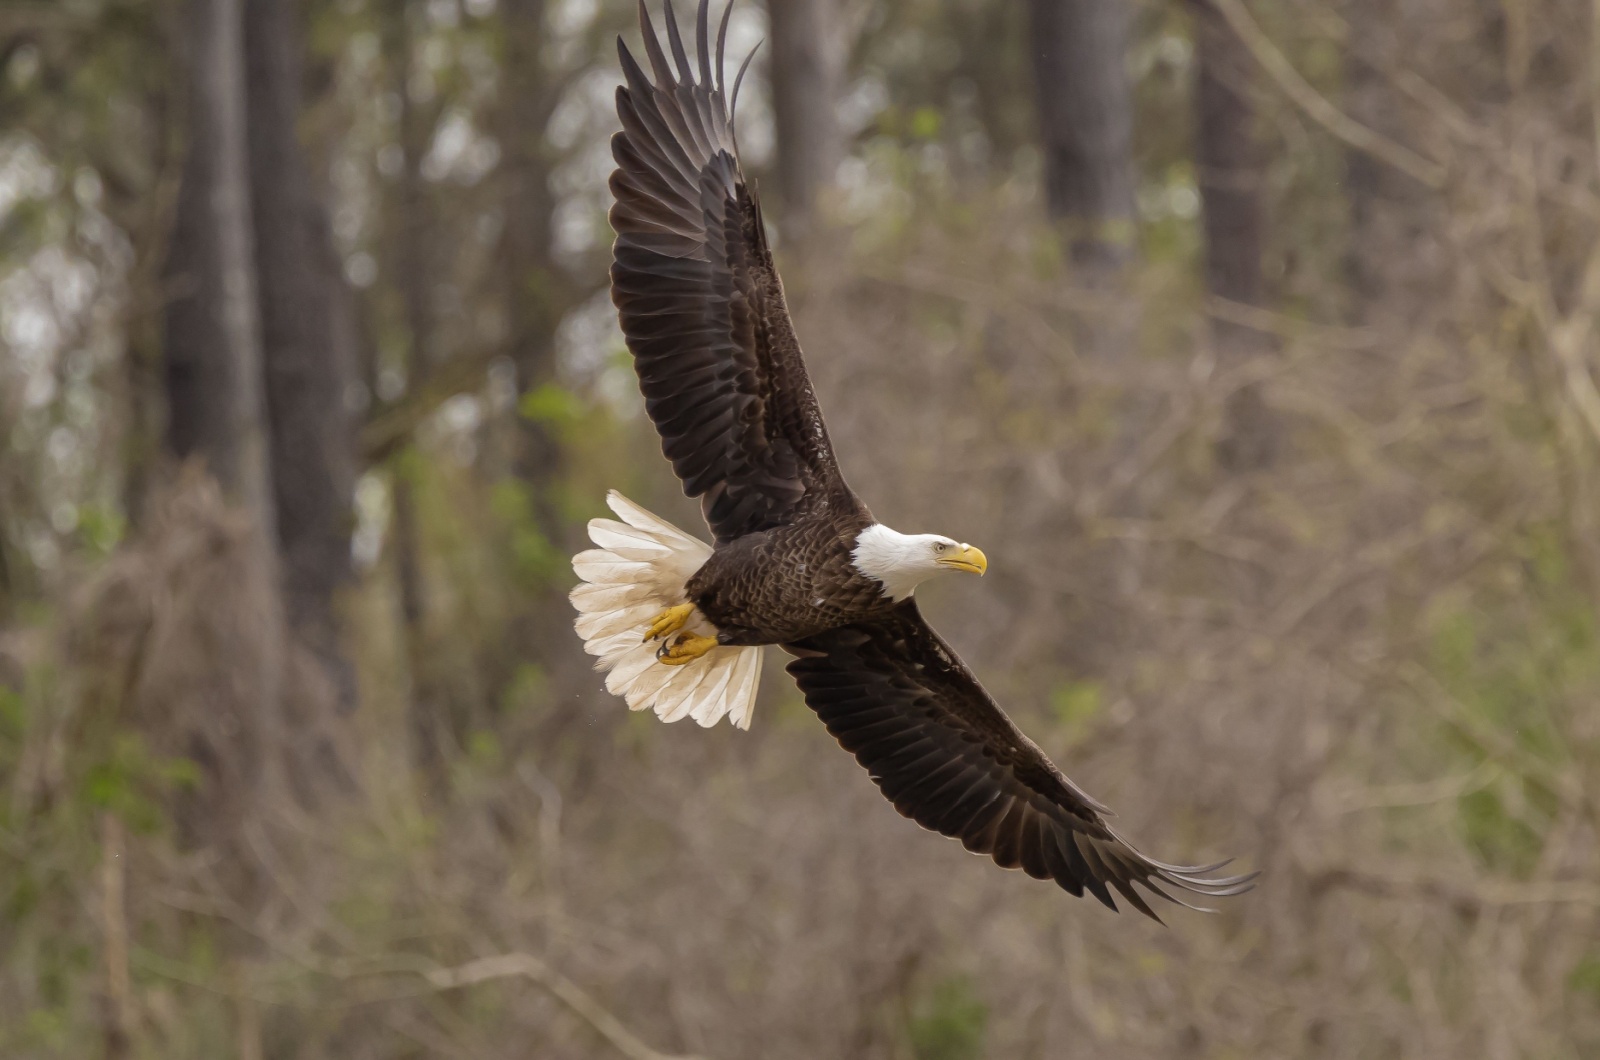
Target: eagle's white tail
{"type": "Point", "coordinates": [638, 571]}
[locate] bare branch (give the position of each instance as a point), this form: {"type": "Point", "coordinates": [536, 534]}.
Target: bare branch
{"type": "Point", "coordinates": [1318, 108]}
{"type": "Point", "coordinates": [118, 1015]}
{"type": "Point", "coordinates": [1465, 895]}
{"type": "Point", "coordinates": [527, 966]}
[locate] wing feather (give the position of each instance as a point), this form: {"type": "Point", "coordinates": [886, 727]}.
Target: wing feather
{"type": "Point", "coordinates": [700, 303]}
{"type": "Point", "coordinates": [895, 695]}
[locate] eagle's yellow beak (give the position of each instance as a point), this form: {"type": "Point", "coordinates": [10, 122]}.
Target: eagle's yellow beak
{"type": "Point", "coordinates": [968, 558]}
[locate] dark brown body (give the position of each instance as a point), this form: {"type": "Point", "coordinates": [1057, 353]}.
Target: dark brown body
{"type": "Point", "coordinates": [788, 583]}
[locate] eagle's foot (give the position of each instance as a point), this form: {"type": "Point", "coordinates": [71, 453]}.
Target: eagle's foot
{"type": "Point", "coordinates": [686, 647]}
{"type": "Point", "coordinates": [669, 622]}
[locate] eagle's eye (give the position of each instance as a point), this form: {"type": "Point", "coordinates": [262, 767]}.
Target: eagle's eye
{"type": "Point", "coordinates": [939, 546]}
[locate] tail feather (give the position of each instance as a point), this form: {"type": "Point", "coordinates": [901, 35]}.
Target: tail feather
{"type": "Point", "coordinates": [640, 519]}
{"type": "Point", "coordinates": [709, 697]}
{"type": "Point", "coordinates": [606, 568]}
{"type": "Point", "coordinates": [639, 570]}
{"type": "Point", "coordinates": [625, 618]}
{"type": "Point", "coordinates": [741, 693]}
{"type": "Point", "coordinates": [637, 545]}
{"type": "Point", "coordinates": [643, 691]}
{"type": "Point", "coordinates": [590, 598]}
{"type": "Point", "coordinates": [681, 696]}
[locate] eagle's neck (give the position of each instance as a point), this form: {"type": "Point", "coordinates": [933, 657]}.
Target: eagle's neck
{"type": "Point", "coordinates": [898, 561]}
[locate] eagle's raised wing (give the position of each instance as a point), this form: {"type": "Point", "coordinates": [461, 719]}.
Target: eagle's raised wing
{"type": "Point", "coordinates": [895, 695]}
{"type": "Point", "coordinates": [700, 302]}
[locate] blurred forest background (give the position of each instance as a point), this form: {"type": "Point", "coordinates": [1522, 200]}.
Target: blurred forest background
{"type": "Point", "coordinates": [1254, 340]}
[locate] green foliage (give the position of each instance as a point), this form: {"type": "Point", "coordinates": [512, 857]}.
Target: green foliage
{"type": "Point", "coordinates": [1076, 704]}
{"type": "Point", "coordinates": [529, 687]}
{"type": "Point", "coordinates": [130, 782]}
{"type": "Point", "coordinates": [13, 716]}
{"type": "Point", "coordinates": [1169, 206]}
{"type": "Point", "coordinates": [48, 852]}
{"type": "Point", "coordinates": [535, 558]}
{"type": "Point", "coordinates": [964, 62]}
{"type": "Point", "coordinates": [483, 751]}
{"type": "Point", "coordinates": [1504, 839]}
{"type": "Point", "coordinates": [101, 528]}
{"type": "Point", "coordinates": [552, 405]}
{"type": "Point", "coordinates": [949, 1023]}
{"type": "Point", "coordinates": [1521, 668]}
{"type": "Point", "coordinates": [1585, 977]}
{"type": "Point", "coordinates": [925, 124]}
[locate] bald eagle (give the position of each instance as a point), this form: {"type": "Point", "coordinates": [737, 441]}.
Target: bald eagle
{"type": "Point", "coordinates": [798, 560]}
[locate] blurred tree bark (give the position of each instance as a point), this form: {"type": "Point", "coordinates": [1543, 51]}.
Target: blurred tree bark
{"type": "Point", "coordinates": [807, 69]}
{"type": "Point", "coordinates": [1085, 110]}
{"type": "Point", "coordinates": [535, 296]}
{"type": "Point", "coordinates": [412, 223]}
{"type": "Point", "coordinates": [1365, 176]}
{"type": "Point", "coordinates": [1386, 214]}
{"type": "Point", "coordinates": [216, 408]}
{"type": "Point", "coordinates": [1230, 173]}
{"type": "Point", "coordinates": [217, 414]}
{"type": "Point", "coordinates": [144, 210]}
{"type": "Point", "coordinates": [1228, 163]}
{"type": "Point", "coordinates": [410, 231]}
{"type": "Point", "coordinates": [307, 368]}
{"type": "Point", "coordinates": [1363, 265]}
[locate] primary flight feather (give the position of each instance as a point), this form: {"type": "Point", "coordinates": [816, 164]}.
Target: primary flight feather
{"type": "Point", "coordinates": [798, 560]}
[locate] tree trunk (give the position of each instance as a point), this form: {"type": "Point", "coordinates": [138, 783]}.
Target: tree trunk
{"type": "Point", "coordinates": [217, 414]}
{"type": "Point", "coordinates": [1086, 119]}
{"type": "Point", "coordinates": [1228, 162]}
{"type": "Point", "coordinates": [807, 68]}
{"type": "Point", "coordinates": [409, 248]}
{"type": "Point", "coordinates": [424, 709]}
{"type": "Point", "coordinates": [1364, 175]}
{"type": "Point", "coordinates": [216, 410]}
{"type": "Point", "coordinates": [117, 1004]}
{"type": "Point", "coordinates": [307, 370]}
{"type": "Point", "coordinates": [1387, 216]}
{"type": "Point", "coordinates": [535, 294]}
{"type": "Point", "coordinates": [413, 221]}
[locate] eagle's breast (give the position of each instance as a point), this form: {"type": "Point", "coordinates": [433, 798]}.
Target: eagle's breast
{"type": "Point", "coordinates": [787, 583]}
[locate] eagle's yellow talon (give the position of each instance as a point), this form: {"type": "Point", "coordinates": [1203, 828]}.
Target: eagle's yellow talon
{"type": "Point", "coordinates": [685, 648]}
{"type": "Point", "coordinates": [669, 621]}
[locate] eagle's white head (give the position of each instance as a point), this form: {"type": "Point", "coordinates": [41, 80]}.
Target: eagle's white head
{"type": "Point", "coordinates": [904, 561]}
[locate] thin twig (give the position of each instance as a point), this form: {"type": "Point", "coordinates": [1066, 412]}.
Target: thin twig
{"type": "Point", "coordinates": [1411, 795]}
{"type": "Point", "coordinates": [1465, 895]}
{"type": "Point", "coordinates": [527, 966]}
{"type": "Point", "coordinates": [114, 926]}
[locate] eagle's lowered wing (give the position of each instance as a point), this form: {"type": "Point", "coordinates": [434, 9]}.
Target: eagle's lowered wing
{"type": "Point", "coordinates": [895, 695]}
{"type": "Point", "coordinates": [700, 303]}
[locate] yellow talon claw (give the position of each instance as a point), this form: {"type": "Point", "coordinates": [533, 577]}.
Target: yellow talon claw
{"type": "Point", "coordinates": [685, 648]}
{"type": "Point", "coordinates": [669, 621]}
